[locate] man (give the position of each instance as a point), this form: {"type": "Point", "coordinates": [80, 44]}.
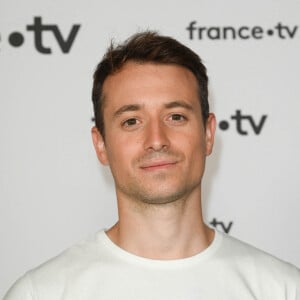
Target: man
{"type": "Point", "coordinates": [154, 130]}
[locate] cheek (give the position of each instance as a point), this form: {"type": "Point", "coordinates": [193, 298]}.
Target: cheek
{"type": "Point", "coordinates": [193, 142]}
{"type": "Point", "coordinates": [120, 153]}
{"type": "Point", "coordinates": [197, 150]}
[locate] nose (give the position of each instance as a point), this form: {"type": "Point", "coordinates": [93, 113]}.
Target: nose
{"type": "Point", "coordinates": [156, 136]}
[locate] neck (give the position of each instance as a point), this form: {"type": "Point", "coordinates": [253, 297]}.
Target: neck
{"type": "Point", "coordinates": [165, 231]}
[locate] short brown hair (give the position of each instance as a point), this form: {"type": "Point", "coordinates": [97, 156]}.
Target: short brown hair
{"type": "Point", "coordinates": [147, 47]}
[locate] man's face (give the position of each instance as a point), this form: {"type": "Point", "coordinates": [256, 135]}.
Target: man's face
{"type": "Point", "coordinates": [155, 140]}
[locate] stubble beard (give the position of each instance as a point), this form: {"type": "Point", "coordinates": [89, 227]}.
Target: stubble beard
{"type": "Point", "coordinates": [159, 188]}
{"type": "Point", "coordinates": [160, 194]}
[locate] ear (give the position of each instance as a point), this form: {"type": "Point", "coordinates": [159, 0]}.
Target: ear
{"type": "Point", "coordinates": [210, 133]}
{"type": "Point", "coordinates": [99, 146]}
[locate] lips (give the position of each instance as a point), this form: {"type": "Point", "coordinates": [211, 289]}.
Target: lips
{"type": "Point", "coordinates": [156, 165]}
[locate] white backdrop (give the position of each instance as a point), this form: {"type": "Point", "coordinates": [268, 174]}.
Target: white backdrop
{"type": "Point", "coordinates": [53, 192]}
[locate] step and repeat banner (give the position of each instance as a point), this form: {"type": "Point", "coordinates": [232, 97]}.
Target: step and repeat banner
{"type": "Point", "coordinates": [53, 191]}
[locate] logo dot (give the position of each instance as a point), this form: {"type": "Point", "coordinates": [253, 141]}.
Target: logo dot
{"type": "Point", "coordinates": [224, 125]}
{"type": "Point", "coordinates": [270, 32]}
{"type": "Point", "coordinates": [16, 39]}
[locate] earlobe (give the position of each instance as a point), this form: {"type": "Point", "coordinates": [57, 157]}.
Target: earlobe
{"type": "Point", "coordinates": [210, 133]}
{"type": "Point", "coordinates": [99, 146]}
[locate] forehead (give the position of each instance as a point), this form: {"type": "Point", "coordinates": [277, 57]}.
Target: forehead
{"type": "Point", "coordinates": [149, 81]}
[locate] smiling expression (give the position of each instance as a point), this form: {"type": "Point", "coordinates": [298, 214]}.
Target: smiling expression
{"type": "Point", "coordinates": [155, 140]}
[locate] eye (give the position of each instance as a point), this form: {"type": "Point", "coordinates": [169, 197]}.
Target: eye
{"type": "Point", "coordinates": [177, 118]}
{"type": "Point", "coordinates": [130, 122]}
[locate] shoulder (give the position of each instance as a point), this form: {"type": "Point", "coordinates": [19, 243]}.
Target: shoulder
{"type": "Point", "coordinates": [259, 263]}
{"type": "Point", "coordinates": [21, 290]}
{"type": "Point", "coordinates": [80, 255]}
{"type": "Point", "coordinates": [55, 272]}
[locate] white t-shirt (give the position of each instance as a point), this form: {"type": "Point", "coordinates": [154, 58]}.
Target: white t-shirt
{"type": "Point", "coordinates": [98, 269]}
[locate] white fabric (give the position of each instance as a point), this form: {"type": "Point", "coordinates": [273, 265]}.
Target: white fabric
{"type": "Point", "coordinates": [98, 269]}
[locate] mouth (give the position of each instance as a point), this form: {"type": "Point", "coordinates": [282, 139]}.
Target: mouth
{"type": "Point", "coordinates": [158, 165]}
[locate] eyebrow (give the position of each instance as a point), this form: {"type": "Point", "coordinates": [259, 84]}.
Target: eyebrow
{"type": "Point", "coordinates": [136, 107]}
{"type": "Point", "coordinates": [125, 108]}
{"type": "Point", "coordinates": [178, 103]}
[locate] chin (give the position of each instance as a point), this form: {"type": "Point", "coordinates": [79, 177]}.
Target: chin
{"type": "Point", "coordinates": [161, 198]}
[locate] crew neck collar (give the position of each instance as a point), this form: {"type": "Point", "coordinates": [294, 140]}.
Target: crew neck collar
{"type": "Point", "coordinates": [135, 259]}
